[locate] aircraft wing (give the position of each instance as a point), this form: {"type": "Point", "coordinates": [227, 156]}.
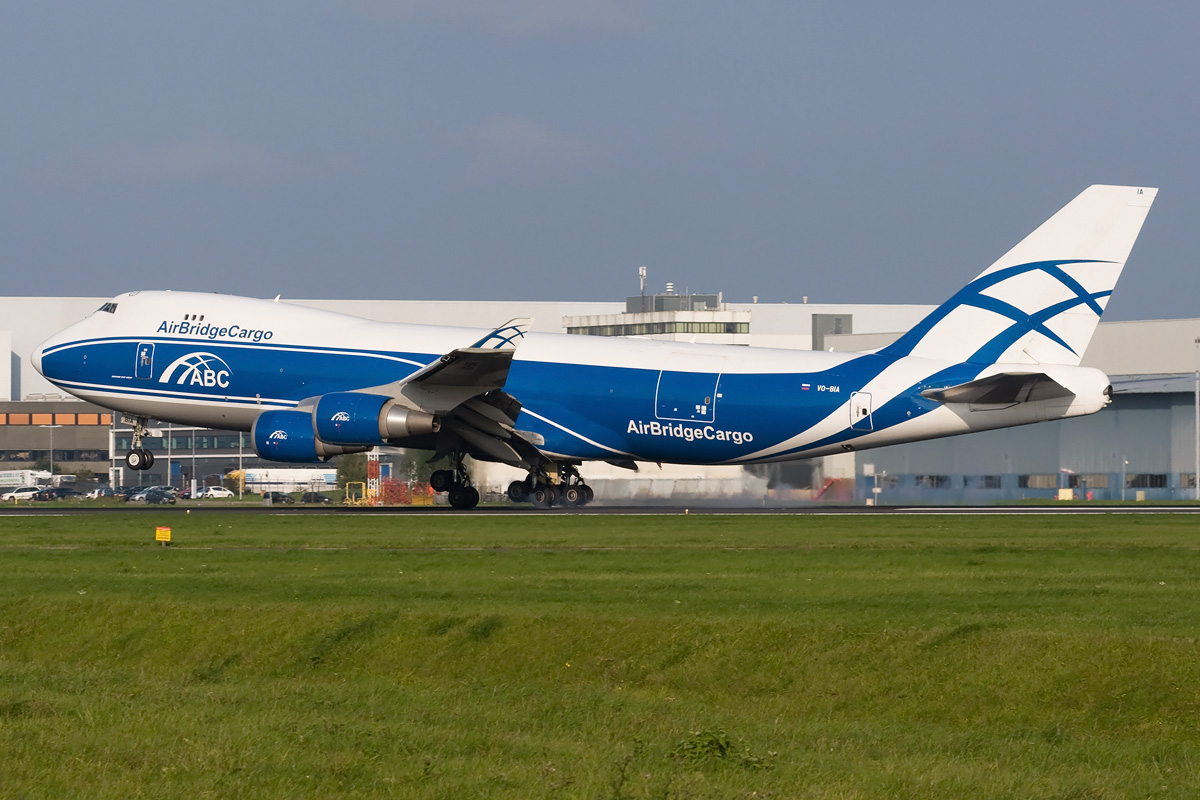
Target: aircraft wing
{"type": "Point", "coordinates": [1004, 389]}
{"type": "Point", "coordinates": [464, 387]}
{"type": "Point", "coordinates": [466, 367]}
{"type": "Point", "coordinates": [483, 365]}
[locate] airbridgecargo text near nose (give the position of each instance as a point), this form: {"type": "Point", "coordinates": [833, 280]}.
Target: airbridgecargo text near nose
{"type": "Point", "coordinates": [1004, 350]}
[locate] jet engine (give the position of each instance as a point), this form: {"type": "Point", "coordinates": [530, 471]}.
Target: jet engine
{"type": "Point", "coordinates": [354, 418]}
{"type": "Point", "coordinates": [336, 423]}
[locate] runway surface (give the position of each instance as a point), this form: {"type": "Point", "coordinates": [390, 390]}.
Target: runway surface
{"type": "Point", "coordinates": [59, 509]}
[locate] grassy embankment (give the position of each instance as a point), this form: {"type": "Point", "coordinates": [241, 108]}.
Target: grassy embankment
{"type": "Point", "coordinates": [600, 657]}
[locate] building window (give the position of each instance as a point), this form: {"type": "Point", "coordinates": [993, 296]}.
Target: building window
{"type": "Point", "coordinates": [983, 481]}
{"type": "Point", "coordinates": [64, 419]}
{"type": "Point", "coordinates": [933, 481]}
{"type": "Point", "coordinates": [1146, 480]}
{"type": "Point", "coordinates": [660, 328]}
{"type": "Point", "coordinates": [1049, 481]}
{"type": "Point", "coordinates": [1092, 481]}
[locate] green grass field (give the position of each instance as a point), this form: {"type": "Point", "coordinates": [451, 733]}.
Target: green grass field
{"type": "Point", "coordinates": [462, 656]}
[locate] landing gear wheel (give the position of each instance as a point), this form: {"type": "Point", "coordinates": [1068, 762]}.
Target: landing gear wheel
{"type": "Point", "coordinates": [574, 496]}
{"type": "Point", "coordinates": [588, 494]}
{"type": "Point", "coordinates": [139, 459]}
{"type": "Point", "coordinates": [544, 496]}
{"type": "Point", "coordinates": [463, 497]}
{"type": "Point", "coordinates": [518, 492]}
{"type": "Point", "coordinates": [442, 480]}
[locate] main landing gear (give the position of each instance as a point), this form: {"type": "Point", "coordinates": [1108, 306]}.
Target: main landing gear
{"type": "Point", "coordinates": [570, 490]}
{"type": "Point", "coordinates": [139, 458]}
{"type": "Point", "coordinates": [457, 482]}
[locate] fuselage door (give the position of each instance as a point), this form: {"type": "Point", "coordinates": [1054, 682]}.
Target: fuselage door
{"type": "Point", "coordinates": [688, 391]}
{"type": "Point", "coordinates": [144, 366]}
{"type": "Point", "coordinates": [860, 411]}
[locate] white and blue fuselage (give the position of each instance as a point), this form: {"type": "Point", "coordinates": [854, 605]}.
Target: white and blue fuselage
{"type": "Point", "coordinates": [193, 358]}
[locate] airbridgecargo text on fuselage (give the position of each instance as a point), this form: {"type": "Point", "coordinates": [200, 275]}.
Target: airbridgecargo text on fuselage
{"type": "Point", "coordinates": [688, 433]}
{"type": "Point", "coordinates": [210, 331]}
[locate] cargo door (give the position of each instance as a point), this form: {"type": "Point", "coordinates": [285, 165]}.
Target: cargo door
{"type": "Point", "coordinates": [688, 391]}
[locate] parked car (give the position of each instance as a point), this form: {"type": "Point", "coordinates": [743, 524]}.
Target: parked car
{"type": "Point", "coordinates": [152, 496]}
{"type": "Point", "coordinates": [24, 493]}
{"type": "Point", "coordinates": [58, 493]}
{"type": "Point", "coordinates": [278, 497]}
{"type": "Point", "coordinates": [214, 493]}
{"type": "Point", "coordinates": [315, 497]}
{"type": "Point", "coordinates": [103, 491]}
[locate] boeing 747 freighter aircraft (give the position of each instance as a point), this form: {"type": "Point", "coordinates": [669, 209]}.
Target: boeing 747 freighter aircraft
{"type": "Point", "coordinates": [312, 384]}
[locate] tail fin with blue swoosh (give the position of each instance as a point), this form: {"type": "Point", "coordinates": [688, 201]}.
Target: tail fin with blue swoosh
{"type": "Point", "coordinates": [1041, 301]}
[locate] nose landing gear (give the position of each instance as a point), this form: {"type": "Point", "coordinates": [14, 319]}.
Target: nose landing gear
{"type": "Point", "coordinates": [139, 458]}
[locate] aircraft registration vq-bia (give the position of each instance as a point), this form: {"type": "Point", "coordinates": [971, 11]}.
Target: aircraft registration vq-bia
{"type": "Point", "coordinates": [311, 384]}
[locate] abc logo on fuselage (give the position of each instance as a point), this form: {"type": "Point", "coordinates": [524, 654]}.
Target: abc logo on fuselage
{"type": "Point", "coordinates": [198, 369]}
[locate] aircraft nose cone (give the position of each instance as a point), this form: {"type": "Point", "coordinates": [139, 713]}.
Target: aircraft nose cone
{"type": "Point", "coordinates": [36, 357]}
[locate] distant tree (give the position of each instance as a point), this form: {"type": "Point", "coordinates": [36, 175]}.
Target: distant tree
{"type": "Point", "coordinates": [235, 481]}
{"type": "Point", "coordinates": [43, 464]}
{"type": "Point", "coordinates": [414, 466]}
{"type": "Point", "coordinates": [351, 468]}
{"type": "Point", "coordinates": [85, 478]}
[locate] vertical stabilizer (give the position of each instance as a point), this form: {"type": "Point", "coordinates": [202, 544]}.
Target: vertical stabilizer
{"type": "Point", "coordinates": [1040, 302]}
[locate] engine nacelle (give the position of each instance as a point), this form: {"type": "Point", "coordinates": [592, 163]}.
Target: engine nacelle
{"type": "Point", "coordinates": [289, 436]}
{"type": "Point", "coordinates": [353, 418]}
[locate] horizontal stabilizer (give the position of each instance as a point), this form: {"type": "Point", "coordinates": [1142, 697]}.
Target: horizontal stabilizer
{"type": "Point", "coordinates": [1004, 389]}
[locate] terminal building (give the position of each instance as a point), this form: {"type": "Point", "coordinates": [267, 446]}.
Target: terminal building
{"type": "Point", "coordinates": [1143, 446]}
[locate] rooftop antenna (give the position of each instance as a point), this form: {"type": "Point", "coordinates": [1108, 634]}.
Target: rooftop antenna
{"type": "Point", "coordinates": [642, 281]}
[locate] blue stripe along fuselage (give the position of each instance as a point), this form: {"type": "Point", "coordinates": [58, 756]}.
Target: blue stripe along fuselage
{"type": "Point", "coordinates": [274, 374]}
{"type": "Point", "coordinates": [582, 411]}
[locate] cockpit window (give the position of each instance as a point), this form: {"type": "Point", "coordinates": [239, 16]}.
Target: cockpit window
{"type": "Point", "coordinates": [111, 308]}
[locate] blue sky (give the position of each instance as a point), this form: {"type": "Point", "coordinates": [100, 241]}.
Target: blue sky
{"type": "Point", "coordinates": [544, 149]}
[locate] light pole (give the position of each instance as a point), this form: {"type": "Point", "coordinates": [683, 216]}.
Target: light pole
{"type": "Point", "coordinates": [170, 441]}
{"type": "Point", "coordinates": [1196, 481]}
{"type": "Point", "coordinates": [1124, 466]}
{"type": "Point", "coordinates": [51, 427]}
